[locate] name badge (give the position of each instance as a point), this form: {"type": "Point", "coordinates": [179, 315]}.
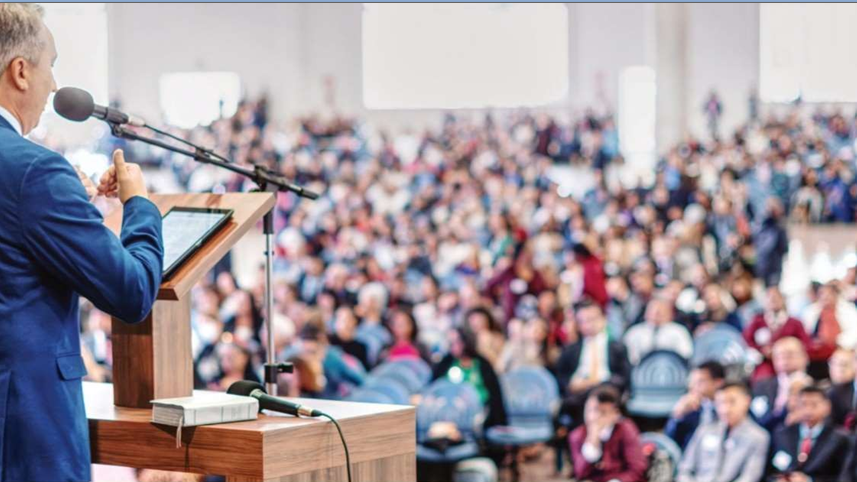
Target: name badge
{"type": "Point", "coordinates": [781, 461]}
{"type": "Point", "coordinates": [762, 336]}
{"type": "Point", "coordinates": [759, 406]}
{"type": "Point", "coordinates": [711, 442]}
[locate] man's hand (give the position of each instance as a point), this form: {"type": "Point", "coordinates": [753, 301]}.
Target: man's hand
{"type": "Point", "coordinates": [91, 190]}
{"type": "Point", "coordinates": [686, 404]}
{"type": "Point", "coordinates": [799, 477]}
{"type": "Point", "coordinates": [579, 385]}
{"type": "Point", "coordinates": [123, 180]}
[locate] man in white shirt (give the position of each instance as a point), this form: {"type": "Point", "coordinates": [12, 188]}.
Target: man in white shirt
{"type": "Point", "coordinates": [657, 332]}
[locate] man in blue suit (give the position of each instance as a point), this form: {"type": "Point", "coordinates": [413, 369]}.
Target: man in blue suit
{"type": "Point", "coordinates": [696, 407]}
{"type": "Point", "coordinates": [53, 249]}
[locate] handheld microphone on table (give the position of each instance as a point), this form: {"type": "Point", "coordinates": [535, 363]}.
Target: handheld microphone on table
{"type": "Point", "coordinates": [256, 390]}
{"type": "Point", "coordinates": [77, 105]}
{"type": "Point", "coordinates": [252, 389]}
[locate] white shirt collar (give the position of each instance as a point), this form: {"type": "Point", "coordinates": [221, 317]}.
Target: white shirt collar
{"type": "Point", "coordinates": [12, 120]}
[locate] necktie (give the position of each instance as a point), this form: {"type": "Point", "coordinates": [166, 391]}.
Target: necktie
{"type": "Point", "coordinates": [594, 361]}
{"type": "Point", "coordinates": [805, 447]}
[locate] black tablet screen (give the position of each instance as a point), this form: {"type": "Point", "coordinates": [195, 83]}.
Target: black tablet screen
{"type": "Point", "coordinates": [184, 231]}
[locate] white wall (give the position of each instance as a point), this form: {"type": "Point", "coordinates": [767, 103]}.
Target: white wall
{"type": "Point", "coordinates": [723, 54]}
{"type": "Point", "coordinates": [258, 41]}
{"type": "Point", "coordinates": [290, 49]}
{"type": "Point", "coordinates": [607, 38]}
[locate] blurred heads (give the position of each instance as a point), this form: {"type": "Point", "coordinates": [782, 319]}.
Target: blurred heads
{"type": "Point", "coordinates": [659, 311]}
{"type": "Point", "coordinates": [732, 402]}
{"type": "Point", "coordinates": [774, 300]}
{"type": "Point", "coordinates": [602, 405]}
{"type": "Point", "coordinates": [789, 356]}
{"type": "Point", "coordinates": [813, 406]}
{"type": "Point", "coordinates": [590, 319]}
{"type": "Point", "coordinates": [841, 366]}
{"type": "Point", "coordinates": [705, 380]}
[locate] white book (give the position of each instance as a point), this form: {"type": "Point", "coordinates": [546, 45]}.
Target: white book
{"type": "Point", "coordinates": [204, 408]}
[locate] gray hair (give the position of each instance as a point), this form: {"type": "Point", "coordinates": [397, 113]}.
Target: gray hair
{"type": "Point", "coordinates": [20, 33]}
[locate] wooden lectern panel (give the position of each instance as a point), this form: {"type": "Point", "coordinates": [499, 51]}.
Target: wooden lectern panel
{"type": "Point", "coordinates": [153, 359]}
{"type": "Point", "coordinates": [381, 439]}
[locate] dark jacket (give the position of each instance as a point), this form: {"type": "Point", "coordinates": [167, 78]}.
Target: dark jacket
{"type": "Point", "coordinates": [842, 405]}
{"type": "Point", "coordinates": [617, 362]}
{"type": "Point", "coordinates": [826, 459]}
{"type": "Point", "coordinates": [769, 419]}
{"type": "Point", "coordinates": [682, 429]}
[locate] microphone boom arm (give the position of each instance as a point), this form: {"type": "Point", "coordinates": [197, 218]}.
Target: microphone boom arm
{"type": "Point", "coordinates": [265, 179]}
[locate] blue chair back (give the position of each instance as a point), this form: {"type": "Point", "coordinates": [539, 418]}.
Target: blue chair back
{"type": "Point", "coordinates": [368, 396]}
{"type": "Point", "coordinates": [530, 394]}
{"type": "Point", "coordinates": [417, 366]}
{"type": "Point", "coordinates": [722, 344]}
{"type": "Point", "coordinates": [657, 383]}
{"type": "Point", "coordinates": [397, 392]}
{"type": "Point", "coordinates": [445, 401]}
{"type": "Point", "coordinates": [408, 373]}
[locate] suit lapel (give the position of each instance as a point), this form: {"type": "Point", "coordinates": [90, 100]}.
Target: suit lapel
{"type": "Point", "coordinates": [849, 402]}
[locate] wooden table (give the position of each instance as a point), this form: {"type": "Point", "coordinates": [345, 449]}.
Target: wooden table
{"type": "Point", "coordinates": [381, 440]}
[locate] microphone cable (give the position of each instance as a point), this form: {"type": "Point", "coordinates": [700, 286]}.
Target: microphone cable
{"type": "Point", "coordinates": [344, 444]}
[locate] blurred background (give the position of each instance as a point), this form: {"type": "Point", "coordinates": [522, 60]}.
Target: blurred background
{"type": "Point", "coordinates": [486, 168]}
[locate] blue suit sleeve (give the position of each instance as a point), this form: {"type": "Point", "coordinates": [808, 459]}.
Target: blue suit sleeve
{"type": "Point", "coordinates": [67, 238]}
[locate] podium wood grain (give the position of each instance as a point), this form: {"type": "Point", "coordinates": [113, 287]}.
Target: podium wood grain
{"type": "Point", "coordinates": [381, 439]}
{"type": "Point", "coordinates": [152, 359]}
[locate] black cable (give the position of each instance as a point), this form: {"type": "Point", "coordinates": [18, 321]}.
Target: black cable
{"type": "Point", "coordinates": [344, 445]}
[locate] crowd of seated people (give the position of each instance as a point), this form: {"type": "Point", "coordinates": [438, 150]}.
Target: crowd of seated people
{"type": "Point", "coordinates": [456, 248]}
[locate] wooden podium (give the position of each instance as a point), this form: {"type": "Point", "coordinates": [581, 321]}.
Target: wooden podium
{"type": "Point", "coordinates": [152, 359]}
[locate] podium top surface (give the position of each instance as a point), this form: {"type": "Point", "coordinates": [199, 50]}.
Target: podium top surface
{"type": "Point", "coordinates": [248, 209]}
{"type": "Point", "coordinates": [270, 446]}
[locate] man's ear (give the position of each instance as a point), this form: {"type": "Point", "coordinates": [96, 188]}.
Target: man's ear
{"type": "Point", "coordinates": [19, 73]}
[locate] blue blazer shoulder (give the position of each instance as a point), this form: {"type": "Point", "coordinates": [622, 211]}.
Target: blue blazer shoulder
{"type": "Point", "coordinates": [54, 249]}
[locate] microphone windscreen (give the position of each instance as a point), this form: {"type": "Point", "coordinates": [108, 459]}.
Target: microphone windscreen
{"type": "Point", "coordinates": [244, 387]}
{"type": "Point", "coordinates": [74, 104]}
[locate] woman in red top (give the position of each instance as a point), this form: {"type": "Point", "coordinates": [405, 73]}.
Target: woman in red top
{"type": "Point", "coordinates": [769, 326]}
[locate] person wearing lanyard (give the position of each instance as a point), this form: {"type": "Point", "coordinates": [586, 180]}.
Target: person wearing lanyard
{"type": "Point", "coordinates": [810, 450]}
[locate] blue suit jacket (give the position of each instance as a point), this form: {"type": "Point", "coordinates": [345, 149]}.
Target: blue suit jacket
{"type": "Point", "coordinates": [53, 249]}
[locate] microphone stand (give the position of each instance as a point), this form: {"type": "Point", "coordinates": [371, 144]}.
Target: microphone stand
{"type": "Point", "coordinates": [266, 181]}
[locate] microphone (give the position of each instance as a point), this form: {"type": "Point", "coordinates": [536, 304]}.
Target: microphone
{"type": "Point", "coordinates": [252, 389]}
{"type": "Point", "coordinates": [77, 105]}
